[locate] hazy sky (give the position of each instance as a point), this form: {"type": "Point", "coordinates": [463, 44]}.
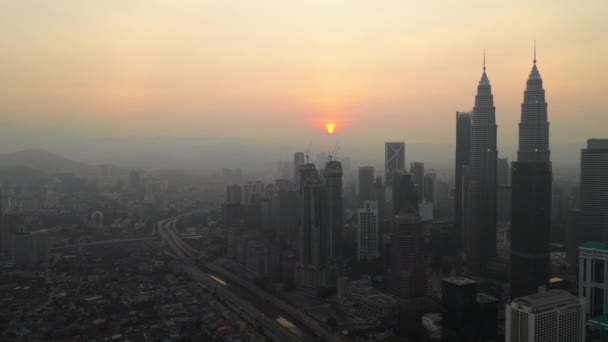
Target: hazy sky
{"type": "Point", "coordinates": [277, 70]}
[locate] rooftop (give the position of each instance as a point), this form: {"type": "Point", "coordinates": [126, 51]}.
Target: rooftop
{"type": "Point", "coordinates": [597, 143]}
{"type": "Point", "coordinates": [595, 245]}
{"type": "Point", "coordinates": [547, 300]}
{"type": "Point", "coordinates": [459, 280]}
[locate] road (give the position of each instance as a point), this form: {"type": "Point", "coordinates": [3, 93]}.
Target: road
{"type": "Point", "coordinates": [256, 302]}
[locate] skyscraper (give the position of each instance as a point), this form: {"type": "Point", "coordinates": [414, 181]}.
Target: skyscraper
{"type": "Point", "coordinates": [405, 196]}
{"type": "Point", "coordinates": [479, 243]}
{"type": "Point", "coordinates": [417, 169]}
{"type": "Point", "coordinates": [333, 181]}
{"type": "Point", "coordinates": [590, 221]}
{"type": "Point", "coordinates": [394, 160]}
{"type": "Point", "coordinates": [367, 232]}
{"type": "Point", "coordinates": [593, 277]}
{"type": "Point", "coordinates": [430, 187]}
{"type": "Point", "coordinates": [298, 161]}
{"type": "Point", "coordinates": [407, 278]}
{"type": "Point", "coordinates": [463, 145]}
{"type": "Point", "coordinates": [554, 315]}
{"type": "Point", "coordinates": [366, 184]}
{"type": "Point", "coordinates": [531, 194]}
{"type": "Point", "coordinates": [314, 237]}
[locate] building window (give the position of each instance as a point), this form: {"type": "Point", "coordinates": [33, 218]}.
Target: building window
{"type": "Point", "coordinates": [598, 271]}
{"type": "Point", "coordinates": [597, 301]}
{"type": "Point", "coordinates": [584, 269]}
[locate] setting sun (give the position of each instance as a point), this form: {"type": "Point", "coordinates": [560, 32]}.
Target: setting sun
{"type": "Point", "coordinates": [330, 127]}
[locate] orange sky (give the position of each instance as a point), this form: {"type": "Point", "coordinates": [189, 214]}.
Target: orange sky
{"type": "Point", "coordinates": [273, 70]}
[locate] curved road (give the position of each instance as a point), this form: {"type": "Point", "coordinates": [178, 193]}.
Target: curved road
{"type": "Point", "coordinates": [264, 305]}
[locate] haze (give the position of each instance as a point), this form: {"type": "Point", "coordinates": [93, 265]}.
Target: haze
{"type": "Point", "coordinates": [262, 73]}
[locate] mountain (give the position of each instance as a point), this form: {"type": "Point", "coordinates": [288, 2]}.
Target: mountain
{"type": "Point", "coordinates": [42, 160]}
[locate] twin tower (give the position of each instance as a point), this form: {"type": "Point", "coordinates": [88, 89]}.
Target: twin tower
{"type": "Point", "coordinates": [531, 178]}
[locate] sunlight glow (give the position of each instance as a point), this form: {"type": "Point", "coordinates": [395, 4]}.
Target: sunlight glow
{"type": "Point", "coordinates": [330, 127]}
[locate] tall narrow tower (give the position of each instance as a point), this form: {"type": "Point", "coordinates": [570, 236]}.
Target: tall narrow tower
{"type": "Point", "coordinates": [479, 236]}
{"type": "Point", "coordinates": [333, 180]}
{"type": "Point", "coordinates": [463, 144]}
{"type": "Point", "coordinates": [531, 194]}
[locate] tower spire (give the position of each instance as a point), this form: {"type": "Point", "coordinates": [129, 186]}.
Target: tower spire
{"type": "Point", "coordinates": [534, 51]}
{"type": "Point", "coordinates": [484, 57]}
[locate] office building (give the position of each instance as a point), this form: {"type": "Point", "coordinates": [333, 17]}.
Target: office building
{"type": "Point", "coordinates": [394, 160]}
{"type": "Point", "coordinates": [234, 194]}
{"type": "Point", "coordinates": [41, 246]}
{"type": "Point", "coordinates": [430, 187]}
{"type": "Point", "coordinates": [479, 235]}
{"type": "Point", "coordinates": [314, 234]}
{"type": "Point", "coordinates": [551, 316]}
{"type": "Point", "coordinates": [530, 227]}
{"type": "Point", "coordinates": [407, 277]}
{"type": "Point", "coordinates": [404, 194]}
{"type": "Point", "coordinates": [366, 184]}
{"type": "Point", "coordinates": [417, 170]}
{"type": "Point", "coordinates": [590, 221]}
{"type": "Point", "coordinates": [468, 315]}
{"type": "Point", "coordinates": [458, 298]}
{"type": "Point", "coordinates": [463, 145]}
{"type": "Point", "coordinates": [367, 231]}
{"type": "Point", "coordinates": [332, 174]}
{"type": "Point", "coordinates": [22, 249]}
{"type": "Point", "coordinates": [593, 277]}
{"type": "Point", "coordinates": [287, 209]}
{"type": "Point", "coordinates": [298, 161]}
{"type": "Point", "coordinates": [531, 194]}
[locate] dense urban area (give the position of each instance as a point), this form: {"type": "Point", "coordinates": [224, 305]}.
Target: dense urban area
{"type": "Point", "coordinates": [319, 248]}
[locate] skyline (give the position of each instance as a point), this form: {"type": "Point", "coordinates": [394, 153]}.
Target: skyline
{"type": "Point", "coordinates": [155, 75]}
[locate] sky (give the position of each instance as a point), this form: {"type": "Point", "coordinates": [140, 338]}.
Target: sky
{"type": "Point", "coordinates": [276, 71]}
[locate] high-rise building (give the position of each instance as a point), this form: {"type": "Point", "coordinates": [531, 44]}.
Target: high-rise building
{"type": "Point", "coordinates": [593, 277]}
{"type": "Point", "coordinates": [555, 316]}
{"type": "Point", "coordinates": [367, 232]}
{"type": "Point", "coordinates": [22, 249]}
{"type": "Point", "coordinates": [298, 161]}
{"type": "Point", "coordinates": [458, 298]}
{"type": "Point", "coordinates": [463, 146]}
{"type": "Point", "coordinates": [479, 235]}
{"type": "Point", "coordinates": [468, 315]}
{"type": "Point", "coordinates": [234, 194]}
{"type": "Point", "coordinates": [41, 246]}
{"type": "Point", "coordinates": [394, 160]}
{"type": "Point", "coordinates": [503, 201]}
{"type": "Point", "coordinates": [405, 195]}
{"type": "Point", "coordinates": [366, 183]}
{"type": "Point", "coordinates": [314, 237]}
{"type": "Point", "coordinates": [287, 215]}
{"type": "Point", "coordinates": [531, 194]}
{"type": "Point", "coordinates": [590, 221]}
{"type": "Point", "coordinates": [417, 170]}
{"type": "Point", "coordinates": [333, 182]}
{"type": "Point", "coordinates": [407, 277]}
{"type": "Point", "coordinates": [430, 187]}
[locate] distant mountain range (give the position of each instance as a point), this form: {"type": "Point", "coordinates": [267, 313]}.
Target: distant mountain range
{"type": "Point", "coordinates": [41, 160]}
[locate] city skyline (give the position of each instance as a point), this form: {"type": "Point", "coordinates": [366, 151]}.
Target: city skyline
{"type": "Point", "coordinates": [292, 171]}
{"type": "Point", "coordinates": [97, 74]}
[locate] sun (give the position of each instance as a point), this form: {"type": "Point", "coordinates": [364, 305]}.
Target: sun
{"type": "Point", "coordinates": [331, 127]}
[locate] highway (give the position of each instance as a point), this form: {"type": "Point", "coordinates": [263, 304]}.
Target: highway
{"type": "Point", "coordinates": [283, 321]}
